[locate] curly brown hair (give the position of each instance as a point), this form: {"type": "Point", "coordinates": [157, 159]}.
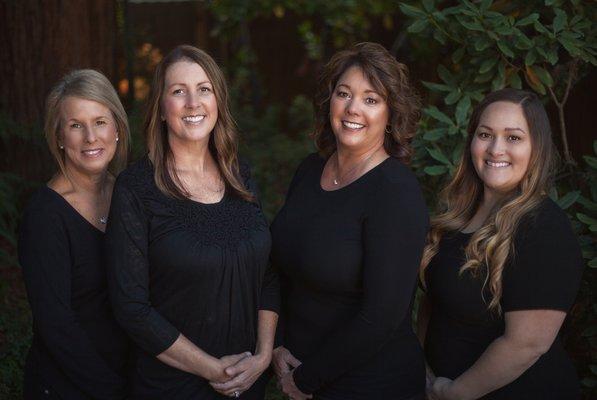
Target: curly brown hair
{"type": "Point", "coordinates": [389, 78]}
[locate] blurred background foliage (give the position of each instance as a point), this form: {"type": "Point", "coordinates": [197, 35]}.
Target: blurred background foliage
{"type": "Point", "coordinates": [271, 52]}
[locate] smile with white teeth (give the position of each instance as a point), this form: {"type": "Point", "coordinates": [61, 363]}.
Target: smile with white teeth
{"type": "Point", "coordinates": [500, 164]}
{"type": "Point", "coordinates": [352, 125]}
{"type": "Point", "coordinates": [92, 152]}
{"type": "Point", "coordinates": [193, 118]}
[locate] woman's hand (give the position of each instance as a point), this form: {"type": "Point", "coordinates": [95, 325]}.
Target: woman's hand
{"type": "Point", "coordinates": [289, 387]}
{"type": "Point", "coordinates": [429, 378]}
{"type": "Point", "coordinates": [243, 374]}
{"type": "Point", "coordinates": [283, 361]}
{"type": "Point", "coordinates": [218, 369]}
{"type": "Point", "coordinates": [441, 389]}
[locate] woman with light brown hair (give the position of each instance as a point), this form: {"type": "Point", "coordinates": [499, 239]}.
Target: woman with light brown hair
{"type": "Point", "coordinates": [188, 246]}
{"type": "Point", "coordinates": [349, 239]}
{"type": "Point", "coordinates": [502, 266]}
{"type": "Point", "coordinates": [78, 349]}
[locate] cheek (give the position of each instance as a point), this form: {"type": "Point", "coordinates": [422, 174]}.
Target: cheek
{"type": "Point", "coordinates": [477, 150]}
{"type": "Point", "coordinates": [169, 105]}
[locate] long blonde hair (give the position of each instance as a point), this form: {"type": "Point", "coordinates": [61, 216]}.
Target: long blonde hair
{"type": "Point", "coordinates": [490, 246]}
{"type": "Point", "coordinates": [223, 140]}
{"type": "Point", "coordinates": [86, 84]}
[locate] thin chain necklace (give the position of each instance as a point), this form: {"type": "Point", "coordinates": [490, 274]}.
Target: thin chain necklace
{"type": "Point", "coordinates": [341, 178]}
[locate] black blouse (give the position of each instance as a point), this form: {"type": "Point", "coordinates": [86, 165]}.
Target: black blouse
{"type": "Point", "coordinates": [78, 349]}
{"type": "Point", "coordinates": [180, 266]}
{"type": "Point", "coordinates": [544, 273]}
{"type": "Point", "coordinates": [348, 261]}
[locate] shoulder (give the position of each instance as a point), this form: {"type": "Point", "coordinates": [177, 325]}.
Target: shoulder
{"type": "Point", "coordinates": [136, 175]}
{"type": "Point", "coordinates": [394, 171]}
{"type": "Point", "coordinates": [547, 220]}
{"type": "Point", "coordinates": [45, 215]}
{"type": "Point", "coordinates": [44, 204]}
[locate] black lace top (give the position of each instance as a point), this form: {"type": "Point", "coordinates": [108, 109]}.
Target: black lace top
{"type": "Point", "coordinates": [180, 266]}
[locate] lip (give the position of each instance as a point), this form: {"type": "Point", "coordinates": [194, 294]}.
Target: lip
{"type": "Point", "coordinates": [93, 153]}
{"type": "Point", "coordinates": [497, 164]}
{"type": "Point", "coordinates": [351, 125]}
{"type": "Point", "coordinates": [194, 119]}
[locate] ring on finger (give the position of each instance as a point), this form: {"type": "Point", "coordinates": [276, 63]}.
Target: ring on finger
{"type": "Point", "coordinates": [236, 394]}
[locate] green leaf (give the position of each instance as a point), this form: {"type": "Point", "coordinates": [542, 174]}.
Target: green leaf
{"type": "Point", "coordinates": [595, 147]}
{"type": "Point", "coordinates": [485, 4]}
{"type": "Point", "coordinates": [505, 48]}
{"type": "Point", "coordinates": [428, 5]}
{"type": "Point", "coordinates": [543, 75]}
{"type": "Point", "coordinates": [482, 43]}
{"type": "Point", "coordinates": [522, 42]}
{"type": "Point", "coordinates": [486, 77]}
{"type": "Point", "coordinates": [439, 156]}
{"type": "Point", "coordinates": [434, 134]}
{"type": "Point", "coordinates": [570, 46]}
{"type": "Point", "coordinates": [446, 76]}
{"type": "Point", "coordinates": [593, 368]}
{"type": "Point", "coordinates": [418, 26]}
{"type": "Point", "coordinates": [514, 80]}
{"type": "Point", "coordinates": [435, 170]}
{"type": "Point", "coordinates": [470, 25]}
{"type": "Point", "coordinates": [585, 219]}
{"type": "Point", "coordinates": [433, 112]}
{"type": "Point", "coordinates": [457, 153]}
{"type": "Point", "coordinates": [528, 20]}
{"type": "Point", "coordinates": [540, 28]}
{"type": "Point", "coordinates": [592, 263]}
{"type": "Point", "coordinates": [488, 65]}
{"type": "Point", "coordinates": [411, 11]}
{"type": "Point", "coordinates": [560, 20]}
{"type": "Point", "coordinates": [592, 161]}
{"type": "Point", "coordinates": [568, 199]}
{"type": "Point", "coordinates": [552, 55]}
{"type": "Point", "coordinates": [439, 87]}
{"type": "Point", "coordinates": [462, 109]}
{"type": "Point", "coordinates": [453, 97]}
{"type": "Point", "coordinates": [589, 382]}
{"type": "Point", "coordinates": [458, 54]}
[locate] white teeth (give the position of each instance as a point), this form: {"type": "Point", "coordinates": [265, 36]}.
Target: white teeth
{"type": "Point", "coordinates": [352, 125]}
{"type": "Point", "coordinates": [93, 152]}
{"type": "Point", "coordinates": [497, 164]}
{"type": "Point", "coordinates": [193, 118]}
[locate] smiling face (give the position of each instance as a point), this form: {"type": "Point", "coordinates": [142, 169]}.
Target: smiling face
{"type": "Point", "coordinates": [188, 103]}
{"type": "Point", "coordinates": [358, 114]}
{"type": "Point", "coordinates": [501, 147]}
{"type": "Point", "coordinates": [88, 134]}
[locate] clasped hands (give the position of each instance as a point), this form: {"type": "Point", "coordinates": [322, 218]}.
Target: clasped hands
{"type": "Point", "coordinates": [236, 373]}
{"type": "Point", "coordinates": [284, 363]}
{"type": "Point", "coordinates": [438, 388]}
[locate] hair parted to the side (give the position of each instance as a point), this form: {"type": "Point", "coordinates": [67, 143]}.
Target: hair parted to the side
{"type": "Point", "coordinates": [389, 78]}
{"type": "Point", "coordinates": [490, 246]}
{"type": "Point", "coordinates": [223, 140]}
{"type": "Point", "coordinates": [91, 85]}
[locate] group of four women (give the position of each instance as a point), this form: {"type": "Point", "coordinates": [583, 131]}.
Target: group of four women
{"type": "Point", "coordinates": [167, 283]}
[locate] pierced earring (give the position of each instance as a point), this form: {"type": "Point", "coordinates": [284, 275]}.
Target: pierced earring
{"type": "Point", "coordinates": [61, 147]}
{"type": "Point", "coordinates": [117, 138]}
{"type": "Point", "coordinates": [388, 129]}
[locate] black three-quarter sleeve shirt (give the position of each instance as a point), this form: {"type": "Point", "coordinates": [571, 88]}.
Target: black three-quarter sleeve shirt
{"type": "Point", "coordinates": [544, 273]}
{"type": "Point", "coordinates": [180, 266]}
{"type": "Point", "coordinates": [78, 350]}
{"type": "Point", "coordinates": [348, 262]}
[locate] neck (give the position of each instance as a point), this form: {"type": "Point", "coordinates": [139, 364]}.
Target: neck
{"type": "Point", "coordinates": [348, 157]}
{"type": "Point", "coordinates": [191, 155]}
{"type": "Point", "coordinates": [88, 183]}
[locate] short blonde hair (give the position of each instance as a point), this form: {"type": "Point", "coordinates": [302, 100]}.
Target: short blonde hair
{"type": "Point", "coordinates": [91, 85]}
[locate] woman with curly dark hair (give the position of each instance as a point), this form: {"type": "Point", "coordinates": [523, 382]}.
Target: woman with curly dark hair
{"type": "Point", "coordinates": [349, 239]}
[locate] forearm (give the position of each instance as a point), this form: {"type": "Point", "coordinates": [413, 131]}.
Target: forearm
{"type": "Point", "coordinates": [184, 355]}
{"type": "Point", "coordinates": [502, 362]}
{"type": "Point", "coordinates": [266, 330]}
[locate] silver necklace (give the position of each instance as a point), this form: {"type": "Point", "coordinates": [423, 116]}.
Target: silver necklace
{"type": "Point", "coordinates": [340, 178]}
{"type": "Point", "coordinates": [103, 220]}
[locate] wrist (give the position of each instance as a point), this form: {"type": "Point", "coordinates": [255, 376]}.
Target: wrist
{"type": "Point", "coordinates": [212, 369]}
{"type": "Point", "coordinates": [452, 391]}
{"type": "Point", "coordinates": [264, 358]}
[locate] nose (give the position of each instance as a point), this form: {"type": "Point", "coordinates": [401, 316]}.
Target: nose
{"type": "Point", "coordinates": [497, 147]}
{"type": "Point", "coordinates": [192, 100]}
{"type": "Point", "coordinates": [90, 135]}
{"type": "Point", "coordinates": [352, 108]}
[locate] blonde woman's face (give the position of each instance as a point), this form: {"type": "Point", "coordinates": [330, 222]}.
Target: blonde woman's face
{"type": "Point", "coordinates": [501, 147]}
{"type": "Point", "coordinates": [189, 103]}
{"type": "Point", "coordinates": [88, 133]}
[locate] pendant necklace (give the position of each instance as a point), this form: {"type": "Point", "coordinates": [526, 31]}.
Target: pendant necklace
{"type": "Point", "coordinates": [340, 178]}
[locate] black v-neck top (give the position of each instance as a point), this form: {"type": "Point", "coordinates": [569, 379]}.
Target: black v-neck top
{"type": "Point", "coordinates": [180, 266]}
{"type": "Point", "coordinates": [348, 261]}
{"type": "Point", "coordinates": [544, 273]}
{"type": "Point", "coordinates": [78, 349]}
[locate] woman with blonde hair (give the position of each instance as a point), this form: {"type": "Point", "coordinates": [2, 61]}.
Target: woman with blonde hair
{"type": "Point", "coordinates": [188, 246]}
{"type": "Point", "coordinates": [502, 266]}
{"type": "Point", "coordinates": [78, 350]}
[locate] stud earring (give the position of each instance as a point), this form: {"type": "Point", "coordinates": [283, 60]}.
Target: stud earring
{"type": "Point", "coordinates": [117, 138]}
{"type": "Point", "coordinates": [61, 147]}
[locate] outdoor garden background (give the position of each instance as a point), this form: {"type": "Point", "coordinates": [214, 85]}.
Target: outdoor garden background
{"type": "Point", "coordinates": [271, 52]}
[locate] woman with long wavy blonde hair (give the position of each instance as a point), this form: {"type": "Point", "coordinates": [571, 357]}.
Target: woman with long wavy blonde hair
{"type": "Point", "coordinates": [188, 246]}
{"type": "Point", "coordinates": [502, 265]}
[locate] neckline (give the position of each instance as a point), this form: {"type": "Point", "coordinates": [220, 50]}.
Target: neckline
{"type": "Point", "coordinates": [73, 209]}
{"type": "Point", "coordinates": [351, 184]}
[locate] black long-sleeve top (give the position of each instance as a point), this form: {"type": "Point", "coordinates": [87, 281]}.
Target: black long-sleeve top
{"type": "Point", "coordinates": [348, 262]}
{"type": "Point", "coordinates": [78, 349]}
{"type": "Point", "coordinates": [543, 272]}
{"type": "Point", "coordinates": [180, 266]}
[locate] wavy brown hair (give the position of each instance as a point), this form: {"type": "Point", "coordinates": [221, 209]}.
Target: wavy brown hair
{"type": "Point", "coordinates": [223, 140]}
{"type": "Point", "coordinates": [490, 246]}
{"type": "Point", "coordinates": [389, 78]}
{"type": "Point", "coordinates": [86, 84]}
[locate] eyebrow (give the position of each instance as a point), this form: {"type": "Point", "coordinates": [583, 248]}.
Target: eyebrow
{"type": "Point", "coordinates": [366, 91]}
{"type": "Point", "coordinates": [506, 129]}
{"type": "Point", "coordinates": [184, 84]}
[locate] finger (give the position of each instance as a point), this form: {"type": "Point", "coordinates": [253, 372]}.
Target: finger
{"type": "Point", "coordinates": [238, 383]}
{"type": "Point", "coordinates": [292, 360]}
{"type": "Point", "coordinates": [240, 366]}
